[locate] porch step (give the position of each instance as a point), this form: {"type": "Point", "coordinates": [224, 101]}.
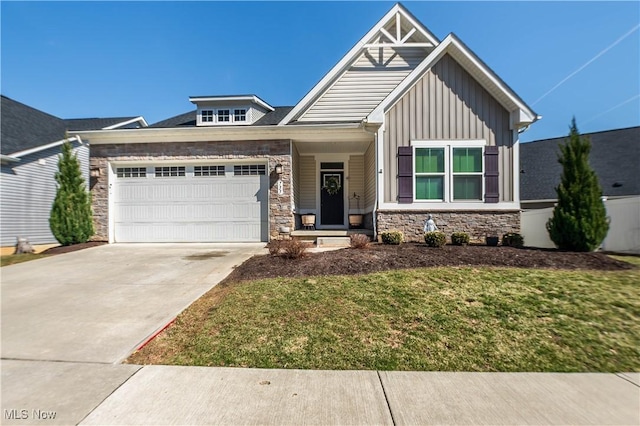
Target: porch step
{"type": "Point", "coordinates": [333, 242]}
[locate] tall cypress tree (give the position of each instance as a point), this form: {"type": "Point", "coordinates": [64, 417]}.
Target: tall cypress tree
{"type": "Point", "coordinates": [70, 219]}
{"type": "Point", "coordinates": [579, 221]}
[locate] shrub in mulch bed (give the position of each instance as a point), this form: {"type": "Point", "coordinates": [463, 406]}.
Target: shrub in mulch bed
{"type": "Point", "coordinates": [381, 257]}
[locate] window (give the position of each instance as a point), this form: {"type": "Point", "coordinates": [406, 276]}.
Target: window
{"type": "Point", "coordinates": [448, 171]}
{"type": "Point", "coordinates": [249, 170]}
{"type": "Point", "coordinates": [240, 114]}
{"type": "Point", "coordinates": [429, 170]}
{"type": "Point", "coordinates": [467, 174]}
{"type": "Point", "coordinates": [223, 115]}
{"type": "Point", "coordinates": [208, 171]}
{"type": "Point", "coordinates": [170, 171]}
{"type": "Point", "coordinates": [135, 172]}
{"type": "Point", "coordinates": [207, 115]}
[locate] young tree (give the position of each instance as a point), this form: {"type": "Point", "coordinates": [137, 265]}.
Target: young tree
{"type": "Point", "coordinates": [70, 219]}
{"type": "Point", "coordinates": [579, 221]}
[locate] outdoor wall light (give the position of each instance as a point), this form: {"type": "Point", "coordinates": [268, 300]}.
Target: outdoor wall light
{"type": "Point", "coordinates": [95, 172]}
{"type": "Point", "coordinates": [278, 169]}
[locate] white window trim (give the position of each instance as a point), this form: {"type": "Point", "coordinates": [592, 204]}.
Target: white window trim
{"type": "Point", "coordinates": [246, 114]}
{"type": "Point", "coordinates": [448, 146]}
{"type": "Point", "coordinates": [247, 121]}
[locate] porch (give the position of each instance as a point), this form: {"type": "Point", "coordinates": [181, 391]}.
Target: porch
{"type": "Point", "coordinates": [333, 188]}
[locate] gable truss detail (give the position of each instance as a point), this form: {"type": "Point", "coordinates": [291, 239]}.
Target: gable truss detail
{"type": "Point", "coordinates": [387, 39]}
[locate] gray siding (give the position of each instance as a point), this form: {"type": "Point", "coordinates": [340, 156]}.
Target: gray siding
{"type": "Point", "coordinates": [307, 182]}
{"type": "Point", "coordinates": [370, 177]}
{"type": "Point", "coordinates": [356, 181]}
{"type": "Point", "coordinates": [447, 103]}
{"type": "Point", "coordinates": [28, 189]}
{"type": "Point", "coordinates": [365, 84]}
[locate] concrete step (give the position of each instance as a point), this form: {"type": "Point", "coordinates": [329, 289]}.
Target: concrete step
{"type": "Point", "coordinates": [333, 242]}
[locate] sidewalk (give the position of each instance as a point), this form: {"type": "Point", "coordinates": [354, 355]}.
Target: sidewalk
{"type": "Point", "coordinates": [102, 394]}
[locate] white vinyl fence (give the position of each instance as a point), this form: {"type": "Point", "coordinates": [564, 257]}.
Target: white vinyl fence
{"type": "Point", "coordinates": [624, 231]}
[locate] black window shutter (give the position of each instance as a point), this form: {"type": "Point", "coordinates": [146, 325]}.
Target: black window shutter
{"type": "Point", "coordinates": [491, 178]}
{"type": "Point", "coordinates": [405, 174]}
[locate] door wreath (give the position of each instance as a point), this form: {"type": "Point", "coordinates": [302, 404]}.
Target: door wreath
{"type": "Point", "coordinates": [332, 184]}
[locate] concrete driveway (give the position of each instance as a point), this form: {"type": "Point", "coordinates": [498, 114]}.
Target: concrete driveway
{"type": "Point", "coordinates": [99, 304]}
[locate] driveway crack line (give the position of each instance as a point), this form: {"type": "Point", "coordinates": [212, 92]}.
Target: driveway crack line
{"type": "Point", "coordinates": [107, 397]}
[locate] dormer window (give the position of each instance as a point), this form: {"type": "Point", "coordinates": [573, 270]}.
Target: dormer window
{"type": "Point", "coordinates": [223, 116]}
{"type": "Point", "coordinates": [241, 110]}
{"type": "Point", "coordinates": [207, 116]}
{"type": "Point", "coordinates": [239, 115]}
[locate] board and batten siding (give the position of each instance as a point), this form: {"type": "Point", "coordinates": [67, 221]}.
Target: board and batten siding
{"type": "Point", "coordinates": [28, 189]}
{"type": "Point", "coordinates": [365, 84]}
{"type": "Point", "coordinates": [447, 103]}
{"type": "Point", "coordinates": [370, 178]}
{"type": "Point", "coordinates": [356, 181]}
{"type": "Point", "coordinates": [307, 182]}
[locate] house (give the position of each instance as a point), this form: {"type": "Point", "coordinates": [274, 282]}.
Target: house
{"type": "Point", "coordinates": [30, 144]}
{"type": "Point", "coordinates": [614, 157]}
{"type": "Point", "coordinates": [405, 124]}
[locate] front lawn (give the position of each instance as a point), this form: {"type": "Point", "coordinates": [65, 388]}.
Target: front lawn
{"type": "Point", "coordinates": [445, 319]}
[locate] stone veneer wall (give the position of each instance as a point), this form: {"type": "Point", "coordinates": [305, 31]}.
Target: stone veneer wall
{"type": "Point", "coordinates": [277, 151]}
{"type": "Point", "coordinates": [478, 224]}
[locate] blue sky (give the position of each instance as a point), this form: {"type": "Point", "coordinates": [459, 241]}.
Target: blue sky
{"type": "Point", "coordinates": [89, 59]}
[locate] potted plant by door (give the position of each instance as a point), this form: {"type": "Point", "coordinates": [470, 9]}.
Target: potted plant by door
{"type": "Point", "coordinates": [309, 221]}
{"type": "Point", "coordinates": [355, 220]}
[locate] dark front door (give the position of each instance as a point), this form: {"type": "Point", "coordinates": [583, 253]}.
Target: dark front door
{"type": "Point", "coordinates": [332, 198]}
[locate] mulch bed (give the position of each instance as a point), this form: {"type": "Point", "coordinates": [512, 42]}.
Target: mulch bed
{"type": "Point", "coordinates": [73, 247]}
{"type": "Point", "coordinates": [380, 257]}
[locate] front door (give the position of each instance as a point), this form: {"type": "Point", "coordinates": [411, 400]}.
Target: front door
{"type": "Point", "coordinates": [332, 198]}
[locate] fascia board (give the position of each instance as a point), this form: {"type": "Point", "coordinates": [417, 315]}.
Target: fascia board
{"type": "Point", "coordinates": [42, 147]}
{"type": "Point", "coordinates": [339, 67]}
{"type": "Point", "coordinates": [141, 119]}
{"type": "Point", "coordinates": [216, 133]}
{"type": "Point", "coordinates": [254, 99]}
{"type": "Point", "coordinates": [450, 43]}
{"type": "Point", "coordinates": [6, 159]}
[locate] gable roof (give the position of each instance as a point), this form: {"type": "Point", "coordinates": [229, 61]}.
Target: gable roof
{"type": "Point", "coordinates": [25, 129]}
{"type": "Point", "coordinates": [378, 35]}
{"type": "Point", "coordinates": [522, 114]}
{"type": "Point", "coordinates": [615, 157]}
{"type": "Point", "coordinates": [188, 119]}
{"type": "Point", "coordinates": [105, 123]}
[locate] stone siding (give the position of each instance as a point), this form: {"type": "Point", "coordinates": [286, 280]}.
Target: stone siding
{"type": "Point", "coordinates": [276, 151]}
{"type": "Point", "coordinates": [478, 224]}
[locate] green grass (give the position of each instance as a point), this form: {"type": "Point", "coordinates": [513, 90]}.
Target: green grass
{"type": "Point", "coordinates": [445, 319]}
{"type": "Point", "coordinates": [12, 259]}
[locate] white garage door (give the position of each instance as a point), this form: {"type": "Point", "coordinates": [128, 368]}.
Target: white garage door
{"type": "Point", "coordinates": [191, 203]}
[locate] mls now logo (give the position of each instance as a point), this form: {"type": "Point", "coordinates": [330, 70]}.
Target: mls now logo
{"type": "Point", "coordinates": [15, 414]}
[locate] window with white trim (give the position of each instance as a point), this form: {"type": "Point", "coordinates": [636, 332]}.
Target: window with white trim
{"type": "Point", "coordinates": [170, 171]}
{"type": "Point", "coordinates": [206, 115]}
{"type": "Point", "coordinates": [239, 114]}
{"type": "Point", "coordinates": [223, 116]}
{"type": "Point", "coordinates": [131, 172]}
{"type": "Point", "coordinates": [249, 170]}
{"type": "Point", "coordinates": [208, 171]}
{"type": "Point", "coordinates": [448, 171]}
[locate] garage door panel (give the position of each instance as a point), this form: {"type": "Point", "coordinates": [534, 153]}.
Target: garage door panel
{"type": "Point", "coordinates": [188, 209]}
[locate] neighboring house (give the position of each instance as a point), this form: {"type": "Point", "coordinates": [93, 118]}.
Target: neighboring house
{"type": "Point", "coordinates": [403, 125]}
{"type": "Point", "coordinates": [30, 143]}
{"type": "Point", "coordinates": [614, 157]}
